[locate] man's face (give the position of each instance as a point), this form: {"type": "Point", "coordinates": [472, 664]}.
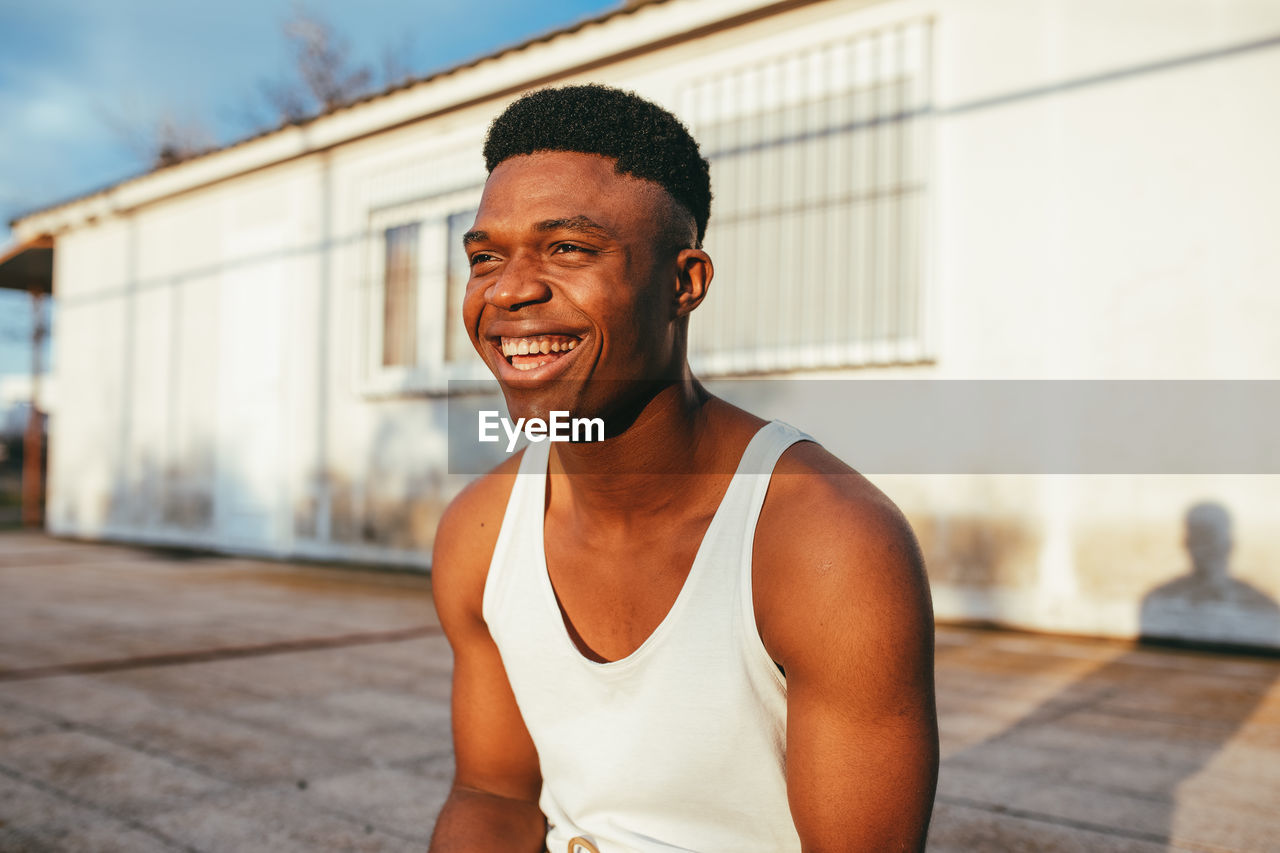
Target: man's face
{"type": "Point", "coordinates": [573, 279]}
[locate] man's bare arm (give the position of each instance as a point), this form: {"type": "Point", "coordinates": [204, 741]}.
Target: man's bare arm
{"type": "Point", "coordinates": [843, 605]}
{"type": "Point", "coordinates": [493, 804]}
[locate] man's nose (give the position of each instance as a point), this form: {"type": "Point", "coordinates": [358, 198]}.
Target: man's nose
{"type": "Point", "coordinates": [519, 283]}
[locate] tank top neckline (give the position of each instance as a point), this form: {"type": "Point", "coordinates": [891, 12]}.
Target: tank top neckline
{"type": "Point", "coordinates": [538, 469]}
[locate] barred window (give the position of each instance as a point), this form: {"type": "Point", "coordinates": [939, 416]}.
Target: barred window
{"type": "Point", "coordinates": [400, 301]}
{"type": "Point", "coordinates": [819, 168]}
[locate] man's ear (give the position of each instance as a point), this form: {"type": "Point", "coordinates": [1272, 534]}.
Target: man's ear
{"type": "Point", "coordinates": [693, 277]}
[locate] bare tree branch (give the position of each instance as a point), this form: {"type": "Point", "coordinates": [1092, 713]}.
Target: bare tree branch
{"type": "Point", "coordinates": [155, 137]}
{"type": "Point", "coordinates": [323, 65]}
{"type": "Point", "coordinates": [289, 103]}
{"type": "Point", "coordinates": [179, 139]}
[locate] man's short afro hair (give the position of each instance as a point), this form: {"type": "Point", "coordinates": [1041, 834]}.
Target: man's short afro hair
{"type": "Point", "coordinates": [646, 141]}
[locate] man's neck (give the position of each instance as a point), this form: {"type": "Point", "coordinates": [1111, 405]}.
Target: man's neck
{"type": "Point", "coordinates": [646, 469]}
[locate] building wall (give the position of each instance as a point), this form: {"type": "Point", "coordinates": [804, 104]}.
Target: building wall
{"type": "Point", "coordinates": [1097, 184]}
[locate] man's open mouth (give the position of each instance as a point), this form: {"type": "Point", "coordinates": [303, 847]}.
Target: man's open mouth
{"type": "Point", "coordinates": [528, 353]}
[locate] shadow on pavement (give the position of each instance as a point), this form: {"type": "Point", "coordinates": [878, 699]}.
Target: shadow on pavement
{"type": "Point", "coordinates": [1113, 758]}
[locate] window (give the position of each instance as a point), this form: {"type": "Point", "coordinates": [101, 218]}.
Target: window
{"type": "Point", "coordinates": [416, 341]}
{"type": "Point", "coordinates": [399, 307]}
{"type": "Point", "coordinates": [818, 164]}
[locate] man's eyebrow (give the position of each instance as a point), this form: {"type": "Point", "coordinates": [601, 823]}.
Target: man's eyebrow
{"type": "Point", "coordinates": [579, 223]}
{"type": "Point", "coordinates": [474, 237]}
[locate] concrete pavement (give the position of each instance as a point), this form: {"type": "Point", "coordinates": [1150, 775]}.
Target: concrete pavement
{"type": "Point", "coordinates": [153, 700]}
{"type": "Point", "coordinates": [215, 704]}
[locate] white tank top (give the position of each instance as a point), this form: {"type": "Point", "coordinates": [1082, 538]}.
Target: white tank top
{"type": "Point", "coordinates": [681, 744]}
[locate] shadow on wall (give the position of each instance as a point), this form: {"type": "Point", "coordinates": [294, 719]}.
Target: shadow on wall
{"type": "Point", "coordinates": [145, 499]}
{"type": "Point", "coordinates": [200, 499]}
{"type": "Point", "coordinates": [1118, 751]}
{"type": "Point", "coordinates": [979, 551]}
{"type": "Point", "coordinates": [173, 500]}
{"type": "Point", "coordinates": [1207, 604]}
{"type": "Point", "coordinates": [399, 489]}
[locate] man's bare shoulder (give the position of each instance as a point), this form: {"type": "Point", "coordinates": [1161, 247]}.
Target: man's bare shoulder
{"type": "Point", "coordinates": [832, 549]}
{"type": "Point", "coordinates": [465, 539]}
{"type": "Point", "coordinates": [816, 500]}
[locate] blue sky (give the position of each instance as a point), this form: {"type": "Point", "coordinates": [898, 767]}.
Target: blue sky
{"type": "Point", "coordinates": [78, 79]}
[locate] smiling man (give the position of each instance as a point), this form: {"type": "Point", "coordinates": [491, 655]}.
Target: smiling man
{"type": "Point", "coordinates": [704, 632]}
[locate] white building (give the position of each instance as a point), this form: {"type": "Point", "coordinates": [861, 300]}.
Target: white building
{"type": "Point", "coordinates": [253, 347]}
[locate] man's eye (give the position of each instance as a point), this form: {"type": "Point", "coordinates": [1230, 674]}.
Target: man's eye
{"type": "Point", "coordinates": [480, 258]}
{"type": "Point", "coordinates": [566, 248]}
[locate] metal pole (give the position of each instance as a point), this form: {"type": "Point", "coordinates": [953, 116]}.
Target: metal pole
{"type": "Point", "coordinates": [33, 440]}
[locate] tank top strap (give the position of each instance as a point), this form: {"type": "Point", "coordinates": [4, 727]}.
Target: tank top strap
{"type": "Point", "coordinates": [731, 536]}
{"type": "Point", "coordinates": [751, 482]}
{"type": "Point", "coordinates": [767, 446]}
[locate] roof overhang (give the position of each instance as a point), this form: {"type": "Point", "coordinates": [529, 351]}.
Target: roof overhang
{"type": "Point", "coordinates": [28, 266]}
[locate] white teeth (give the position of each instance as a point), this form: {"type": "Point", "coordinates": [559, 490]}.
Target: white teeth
{"type": "Point", "coordinates": [540, 344]}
